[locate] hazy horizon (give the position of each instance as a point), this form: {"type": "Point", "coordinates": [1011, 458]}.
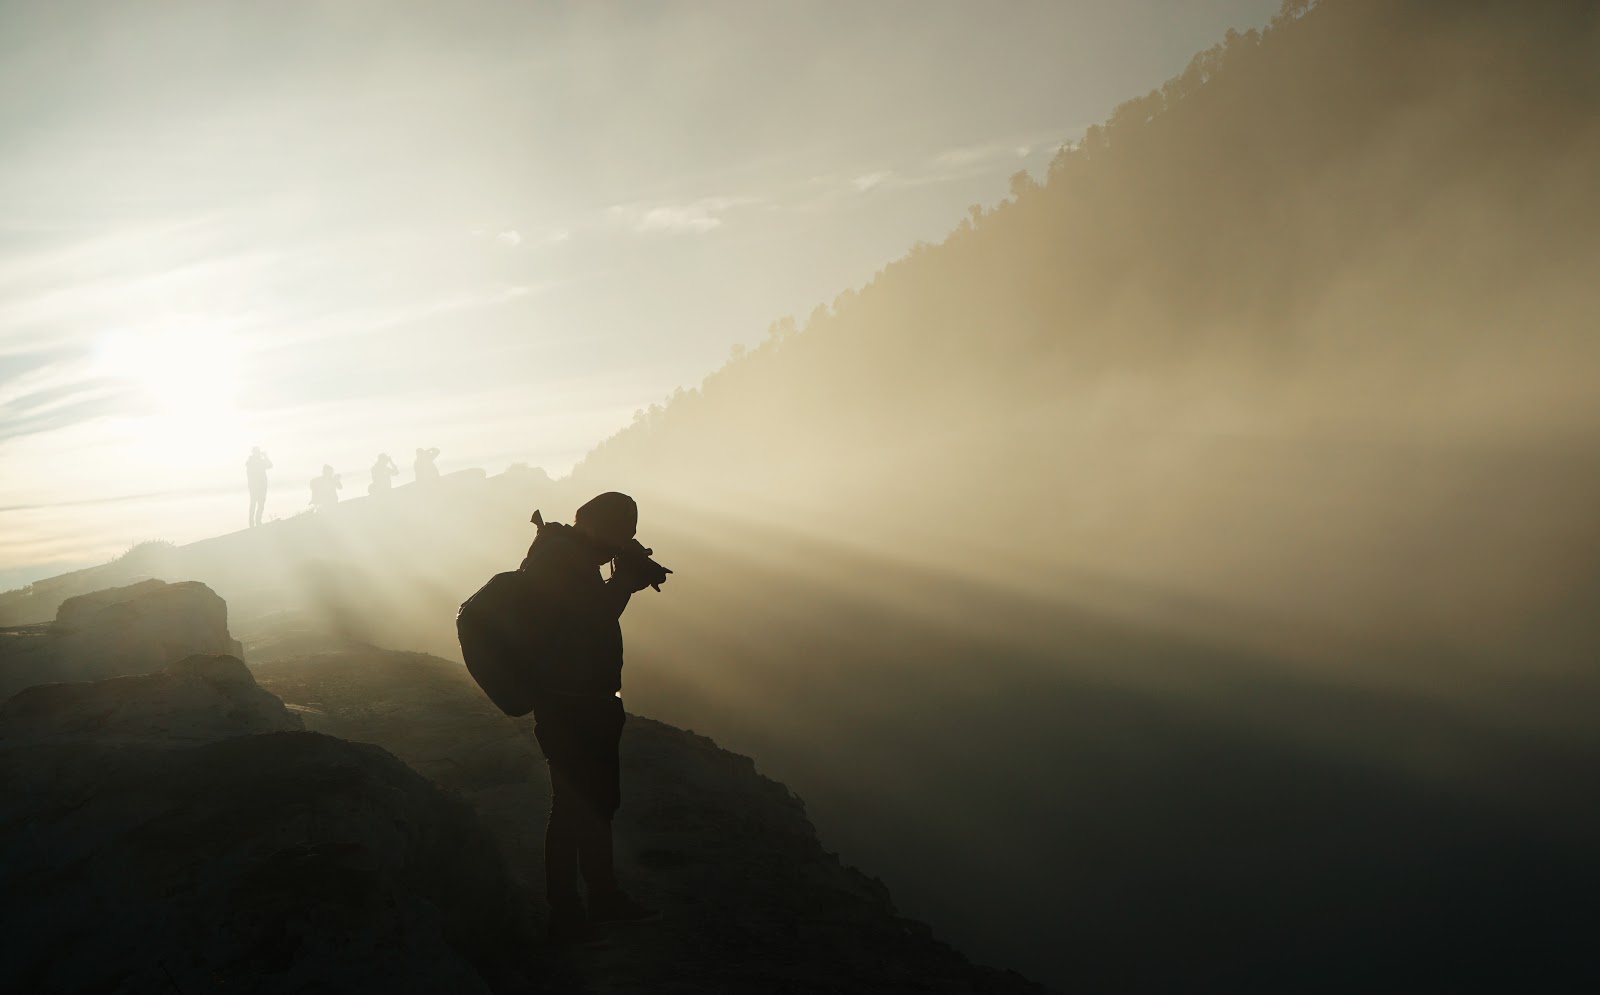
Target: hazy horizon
{"type": "Point", "coordinates": [500, 234]}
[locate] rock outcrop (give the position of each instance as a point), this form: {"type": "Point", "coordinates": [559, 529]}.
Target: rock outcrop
{"type": "Point", "coordinates": [152, 838]}
{"type": "Point", "coordinates": [200, 699]}
{"type": "Point", "coordinates": [137, 629]}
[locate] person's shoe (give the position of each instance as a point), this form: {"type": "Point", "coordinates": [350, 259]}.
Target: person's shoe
{"type": "Point", "coordinates": [573, 929]}
{"type": "Point", "coordinates": [618, 908]}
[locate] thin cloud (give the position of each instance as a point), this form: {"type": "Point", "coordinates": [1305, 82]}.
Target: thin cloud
{"type": "Point", "coordinates": [54, 396]}
{"type": "Point", "coordinates": [960, 162]}
{"type": "Point", "coordinates": [679, 218]}
{"type": "Point", "coordinates": [48, 402]}
{"type": "Point", "coordinates": [513, 238]}
{"type": "Point", "coordinates": [99, 249]}
{"type": "Point", "coordinates": [73, 313]}
{"type": "Point", "coordinates": [693, 217]}
{"type": "Point", "coordinates": [108, 499]}
{"type": "Point", "coordinates": [364, 321]}
{"type": "Point", "coordinates": [971, 155]}
{"type": "Point", "coordinates": [31, 384]}
{"type": "Point", "coordinates": [868, 181]}
{"type": "Point", "coordinates": [66, 412]}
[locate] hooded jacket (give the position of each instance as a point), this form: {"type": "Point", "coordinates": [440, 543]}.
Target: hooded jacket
{"type": "Point", "coordinates": [580, 619]}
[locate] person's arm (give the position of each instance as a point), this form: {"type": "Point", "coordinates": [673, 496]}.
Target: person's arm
{"type": "Point", "coordinates": [617, 596]}
{"type": "Point", "coordinates": [631, 574]}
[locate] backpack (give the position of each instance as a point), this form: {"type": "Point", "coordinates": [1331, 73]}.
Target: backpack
{"type": "Point", "coordinates": [501, 640]}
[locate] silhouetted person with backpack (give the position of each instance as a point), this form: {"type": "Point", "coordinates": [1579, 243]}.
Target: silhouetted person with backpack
{"type": "Point", "coordinates": [578, 714]}
{"type": "Point", "coordinates": [383, 473]}
{"type": "Point", "coordinates": [255, 472]}
{"type": "Point", "coordinates": [325, 489]}
{"type": "Point", "coordinates": [427, 471]}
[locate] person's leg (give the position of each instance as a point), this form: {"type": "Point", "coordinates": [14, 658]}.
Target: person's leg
{"type": "Point", "coordinates": [569, 921]}
{"type": "Point", "coordinates": [561, 837]}
{"type": "Point", "coordinates": [595, 856]}
{"type": "Point", "coordinates": [554, 729]}
{"type": "Point", "coordinates": [608, 903]}
{"type": "Point", "coordinates": [602, 790]}
{"type": "Point", "coordinates": [580, 741]}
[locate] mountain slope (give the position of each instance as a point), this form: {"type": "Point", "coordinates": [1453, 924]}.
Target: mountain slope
{"type": "Point", "coordinates": [1375, 202]}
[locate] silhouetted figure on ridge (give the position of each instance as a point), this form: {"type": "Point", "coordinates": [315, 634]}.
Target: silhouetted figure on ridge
{"type": "Point", "coordinates": [325, 489]}
{"type": "Point", "coordinates": [579, 724]}
{"type": "Point", "coordinates": [427, 471]}
{"type": "Point", "coordinates": [383, 473]}
{"type": "Point", "coordinates": [255, 472]}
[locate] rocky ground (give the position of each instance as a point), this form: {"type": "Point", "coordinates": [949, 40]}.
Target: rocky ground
{"type": "Point", "coordinates": [199, 852]}
{"type": "Point", "coordinates": [752, 902]}
{"type": "Point", "coordinates": [341, 818]}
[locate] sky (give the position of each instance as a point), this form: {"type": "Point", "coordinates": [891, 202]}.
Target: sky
{"type": "Point", "coordinates": [336, 228]}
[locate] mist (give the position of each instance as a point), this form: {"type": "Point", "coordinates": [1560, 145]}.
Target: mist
{"type": "Point", "coordinates": [1181, 565]}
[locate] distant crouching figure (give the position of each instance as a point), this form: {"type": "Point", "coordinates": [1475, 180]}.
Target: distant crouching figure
{"type": "Point", "coordinates": [427, 470]}
{"type": "Point", "coordinates": [255, 471]}
{"type": "Point", "coordinates": [325, 489]}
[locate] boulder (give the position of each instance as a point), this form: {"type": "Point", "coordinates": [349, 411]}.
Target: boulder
{"type": "Point", "coordinates": [277, 863]}
{"type": "Point", "coordinates": [79, 611]}
{"type": "Point", "coordinates": [176, 832]}
{"type": "Point", "coordinates": [200, 699]}
{"type": "Point", "coordinates": [144, 626]}
{"type": "Point", "coordinates": [137, 629]}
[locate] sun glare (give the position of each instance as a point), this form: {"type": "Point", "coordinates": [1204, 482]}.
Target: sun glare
{"type": "Point", "coordinates": [190, 375]}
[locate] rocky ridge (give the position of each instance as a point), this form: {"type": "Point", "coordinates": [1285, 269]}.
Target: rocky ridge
{"type": "Point", "coordinates": [136, 629]}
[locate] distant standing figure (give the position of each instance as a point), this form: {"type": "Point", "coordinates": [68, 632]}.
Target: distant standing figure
{"type": "Point", "coordinates": [325, 489]}
{"type": "Point", "coordinates": [383, 471]}
{"type": "Point", "coordinates": [427, 470]}
{"type": "Point", "coordinates": [255, 471]}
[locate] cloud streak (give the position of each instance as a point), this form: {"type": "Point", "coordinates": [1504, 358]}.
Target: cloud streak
{"type": "Point", "coordinates": [963, 162]}
{"type": "Point", "coordinates": [695, 217]}
{"type": "Point", "coordinates": [868, 181]}
{"type": "Point", "coordinates": [357, 322]}
{"type": "Point", "coordinates": [516, 238]}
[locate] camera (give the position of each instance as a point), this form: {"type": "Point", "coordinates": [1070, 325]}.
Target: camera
{"type": "Point", "coordinates": [634, 564]}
